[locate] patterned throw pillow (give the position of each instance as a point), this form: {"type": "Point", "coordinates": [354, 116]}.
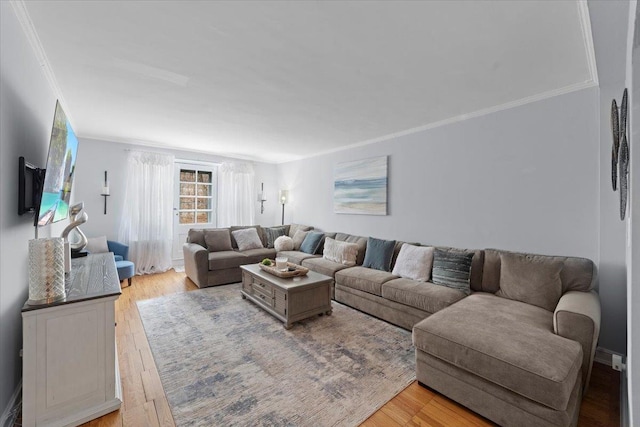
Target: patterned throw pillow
{"type": "Point", "coordinates": [311, 242]}
{"type": "Point", "coordinates": [247, 239]}
{"type": "Point", "coordinates": [379, 254]}
{"type": "Point", "coordinates": [452, 269]}
{"type": "Point", "coordinates": [341, 252]}
{"type": "Point", "coordinates": [272, 234]}
{"type": "Point", "coordinates": [414, 262]}
{"type": "Point", "coordinates": [283, 243]}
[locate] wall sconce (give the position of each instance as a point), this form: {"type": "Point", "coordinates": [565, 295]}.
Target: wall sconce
{"type": "Point", "coordinates": [105, 191]}
{"type": "Point", "coordinates": [261, 197]}
{"type": "Point", "coordinates": [283, 195]}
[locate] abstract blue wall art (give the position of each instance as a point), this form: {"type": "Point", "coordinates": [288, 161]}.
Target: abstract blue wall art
{"type": "Point", "coordinates": [360, 187]}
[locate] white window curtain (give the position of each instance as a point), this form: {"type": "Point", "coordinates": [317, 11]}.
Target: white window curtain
{"type": "Point", "coordinates": [236, 194]}
{"type": "Point", "coordinates": [147, 221]}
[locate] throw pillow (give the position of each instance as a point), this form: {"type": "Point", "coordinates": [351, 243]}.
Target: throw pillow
{"type": "Point", "coordinates": [341, 252]}
{"type": "Point", "coordinates": [272, 234]}
{"type": "Point", "coordinates": [196, 236]}
{"type": "Point", "coordinates": [294, 228]}
{"type": "Point", "coordinates": [414, 262]}
{"type": "Point", "coordinates": [247, 238]}
{"type": "Point", "coordinates": [298, 238]}
{"type": "Point", "coordinates": [218, 240]}
{"type": "Point", "coordinates": [97, 245]}
{"type": "Point", "coordinates": [283, 243]}
{"type": "Point", "coordinates": [311, 242]}
{"type": "Point", "coordinates": [379, 254]}
{"type": "Point", "coordinates": [452, 269]}
{"type": "Point", "coordinates": [532, 279]}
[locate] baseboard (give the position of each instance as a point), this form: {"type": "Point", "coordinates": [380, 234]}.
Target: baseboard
{"type": "Point", "coordinates": [10, 413]}
{"type": "Point", "coordinates": [603, 355]}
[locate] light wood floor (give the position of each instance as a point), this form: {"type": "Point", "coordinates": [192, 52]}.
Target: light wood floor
{"type": "Point", "coordinates": [145, 403]}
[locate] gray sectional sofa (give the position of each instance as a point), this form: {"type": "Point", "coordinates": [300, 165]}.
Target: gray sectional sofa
{"type": "Point", "coordinates": [518, 349]}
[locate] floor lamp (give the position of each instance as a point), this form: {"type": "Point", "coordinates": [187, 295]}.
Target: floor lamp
{"type": "Point", "coordinates": [283, 195]}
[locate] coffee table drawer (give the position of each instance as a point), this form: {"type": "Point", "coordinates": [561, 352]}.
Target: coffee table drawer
{"type": "Point", "coordinates": [266, 300]}
{"type": "Point", "coordinates": [264, 289]}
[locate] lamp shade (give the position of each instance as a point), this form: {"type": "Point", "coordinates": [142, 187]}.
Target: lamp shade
{"type": "Point", "coordinates": [46, 270]}
{"type": "Point", "coordinates": [283, 195]}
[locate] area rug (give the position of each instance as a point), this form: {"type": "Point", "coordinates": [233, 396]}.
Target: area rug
{"type": "Point", "coordinates": [224, 361]}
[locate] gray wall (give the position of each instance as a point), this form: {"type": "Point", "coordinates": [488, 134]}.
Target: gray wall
{"type": "Point", "coordinates": [27, 106]}
{"type": "Point", "coordinates": [609, 28]}
{"type": "Point", "coordinates": [524, 179]}
{"type": "Point", "coordinates": [95, 156]}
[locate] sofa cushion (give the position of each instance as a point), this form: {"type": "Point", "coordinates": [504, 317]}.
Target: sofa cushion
{"type": "Point", "coordinates": [414, 262]}
{"type": "Point", "coordinates": [422, 295]}
{"type": "Point", "coordinates": [298, 238]}
{"type": "Point", "coordinates": [507, 342]}
{"type": "Point", "coordinates": [283, 243]}
{"type": "Point", "coordinates": [296, 257]}
{"type": "Point", "coordinates": [530, 278]}
{"type": "Point", "coordinates": [257, 255]}
{"type": "Point", "coordinates": [452, 269]}
{"type": "Point", "coordinates": [364, 279]}
{"type": "Point", "coordinates": [196, 235]}
{"type": "Point", "coordinates": [378, 254]}
{"type": "Point", "coordinates": [272, 233]}
{"type": "Point", "coordinates": [217, 240]}
{"type": "Point", "coordinates": [340, 252]}
{"type": "Point", "coordinates": [323, 266]}
{"type": "Point", "coordinates": [360, 241]}
{"type": "Point", "coordinates": [247, 239]}
{"type": "Point", "coordinates": [293, 228]}
{"type": "Point", "coordinates": [311, 242]}
{"type": "Point", "coordinates": [226, 259]}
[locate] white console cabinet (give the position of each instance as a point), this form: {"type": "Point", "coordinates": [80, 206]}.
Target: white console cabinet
{"type": "Point", "coordinates": [70, 367]}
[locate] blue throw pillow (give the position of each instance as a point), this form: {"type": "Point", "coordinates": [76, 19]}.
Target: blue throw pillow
{"type": "Point", "coordinates": [379, 254]}
{"type": "Point", "coordinates": [311, 242]}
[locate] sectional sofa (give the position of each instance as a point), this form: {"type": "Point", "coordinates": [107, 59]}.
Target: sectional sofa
{"type": "Point", "coordinates": [517, 347]}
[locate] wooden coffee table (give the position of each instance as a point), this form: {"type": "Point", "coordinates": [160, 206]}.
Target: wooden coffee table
{"type": "Point", "coordinates": [289, 299]}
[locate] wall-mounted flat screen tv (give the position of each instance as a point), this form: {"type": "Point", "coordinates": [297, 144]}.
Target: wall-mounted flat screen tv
{"type": "Point", "coordinates": [61, 164]}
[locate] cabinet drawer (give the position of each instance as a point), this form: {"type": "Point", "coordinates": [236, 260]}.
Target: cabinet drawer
{"type": "Point", "coordinates": [267, 300]}
{"type": "Point", "coordinates": [261, 288]}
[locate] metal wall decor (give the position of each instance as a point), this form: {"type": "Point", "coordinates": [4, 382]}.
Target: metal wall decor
{"type": "Point", "coordinates": [620, 151]}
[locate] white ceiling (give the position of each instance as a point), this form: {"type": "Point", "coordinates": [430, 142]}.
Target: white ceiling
{"type": "Point", "coordinates": [277, 81]}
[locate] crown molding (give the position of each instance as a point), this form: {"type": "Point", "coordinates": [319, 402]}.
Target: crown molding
{"type": "Point", "coordinates": [483, 112]}
{"type": "Point", "coordinates": [587, 38]}
{"type": "Point", "coordinates": [20, 9]}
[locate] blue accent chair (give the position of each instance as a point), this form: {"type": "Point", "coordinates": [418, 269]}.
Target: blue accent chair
{"type": "Point", "coordinates": [126, 269]}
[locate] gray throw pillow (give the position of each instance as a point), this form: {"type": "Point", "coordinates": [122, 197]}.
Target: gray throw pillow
{"type": "Point", "coordinates": [533, 279]}
{"type": "Point", "coordinates": [294, 228]}
{"type": "Point", "coordinates": [379, 254]}
{"type": "Point", "coordinates": [97, 245]}
{"type": "Point", "coordinates": [311, 242]}
{"type": "Point", "coordinates": [298, 238]}
{"type": "Point", "coordinates": [452, 269]}
{"type": "Point", "coordinates": [272, 234]}
{"type": "Point", "coordinates": [218, 240]}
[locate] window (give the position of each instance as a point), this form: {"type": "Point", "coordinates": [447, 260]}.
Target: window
{"type": "Point", "coordinates": [197, 192]}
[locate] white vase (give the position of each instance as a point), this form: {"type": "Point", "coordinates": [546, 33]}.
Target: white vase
{"type": "Point", "coordinates": [46, 270]}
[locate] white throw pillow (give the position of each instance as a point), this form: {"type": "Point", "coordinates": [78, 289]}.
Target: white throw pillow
{"type": "Point", "coordinates": [341, 252]}
{"type": "Point", "coordinates": [97, 245]}
{"type": "Point", "coordinates": [283, 243]}
{"type": "Point", "coordinates": [247, 238]}
{"type": "Point", "coordinates": [414, 262]}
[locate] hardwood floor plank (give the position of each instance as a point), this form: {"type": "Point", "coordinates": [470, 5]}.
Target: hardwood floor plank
{"type": "Point", "coordinates": [145, 403]}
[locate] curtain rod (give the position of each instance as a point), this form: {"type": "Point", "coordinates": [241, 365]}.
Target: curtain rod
{"type": "Point", "coordinates": [193, 162]}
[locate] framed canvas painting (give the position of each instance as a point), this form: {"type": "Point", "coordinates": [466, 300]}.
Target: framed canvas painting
{"type": "Point", "coordinates": [360, 187]}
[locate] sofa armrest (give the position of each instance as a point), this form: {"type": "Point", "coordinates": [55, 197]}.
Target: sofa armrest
{"type": "Point", "coordinates": [577, 317]}
{"type": "Point", "coordinates": [196, 263]}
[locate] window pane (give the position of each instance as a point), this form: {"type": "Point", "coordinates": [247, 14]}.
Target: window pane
{"type": "Point", "coordinates": [187, 217]}
{"type": "Point", "coordinates": [187, 203]}
{"type": "Point", "coordinates": [203, 217]}
{"type": "Point", "coordinates": [187, 189]}
{"type": "Point", "coordinates": [204, 189]}
{"type": "Point", "coordinates": [187, 175]}
{"type": "Point", "coordinates": [204, 176]}
{"type": "Point", "coordinates": [204, 203]}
